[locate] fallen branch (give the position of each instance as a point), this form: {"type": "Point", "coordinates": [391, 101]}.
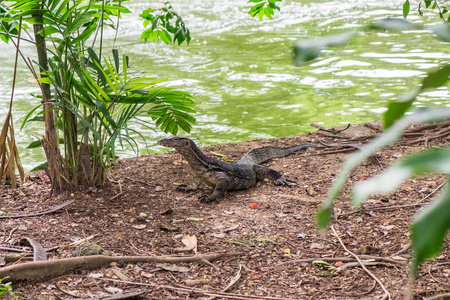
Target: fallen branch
{"type": "Point", "coordinates": [40, 213]}
{"type": "Point", "coordinates": [332, 130]}
{"type": "Point", "coordinates": [44, 270]}
{"type": "Point", "coordinates": [387, 295]}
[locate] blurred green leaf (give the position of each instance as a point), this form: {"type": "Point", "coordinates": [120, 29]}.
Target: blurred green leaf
{"type": "Point", "coordinates": [396, 109]}
{"type": "Point", "coordinates": [306, 50]}
{"type": "Point", "coordinates": [387, 181]}
{"type": "Point", "coordinates": [394, 24]}
{"type": "Point", "coordinates": [430, 227]}
{"type": "Point", "coordinates": [390, 135]}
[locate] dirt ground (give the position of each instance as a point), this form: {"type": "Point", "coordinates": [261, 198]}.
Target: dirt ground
{"type": "Point", "coordinates": [272, 244]}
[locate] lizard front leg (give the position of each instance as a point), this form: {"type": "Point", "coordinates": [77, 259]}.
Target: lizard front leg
{"type": "Point", "coordinates": [190, 187]}
{"type": "Point", "coordinates": [264, 172]}
{"type": "Point", "coordinates": [222, 182]}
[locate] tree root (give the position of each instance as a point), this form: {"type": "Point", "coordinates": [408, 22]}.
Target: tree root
{"type": "Point", "coordinates": [44, 270]}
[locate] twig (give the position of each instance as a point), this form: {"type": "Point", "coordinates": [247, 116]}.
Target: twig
{"type": "Point", "coordinates": [344, 259]}
{"type": "Point", "coordinates": [435, 279]}
{"type": "Point", "coordinates": [386, 292]}
{"type": "Point", "coordinates": [366, 263]}
{"type": "Point", "coordinates": [332, 130]}
{"type": "Point", "coordinates": [403, 250]}
{"type": "Point", "coordinates": [440, 297]}
{"type": "Point", "coordinates": [137, 180]}
{"type": "Point", "coordinates": [232, 282]}
{"type": "Point", "coordinates": [333, 152]}
{"type": "Point", "coordinates": [118, 195]}
{"type": "Point", "coordinates": [199, 291]}
{"type": "Point", "coordinates": [10, 234]}
{"type": "Point", "coordinates": [45, 212]}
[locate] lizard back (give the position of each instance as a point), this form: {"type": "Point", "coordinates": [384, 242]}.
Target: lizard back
{"type": "Point", "coordinates": [260, 155]}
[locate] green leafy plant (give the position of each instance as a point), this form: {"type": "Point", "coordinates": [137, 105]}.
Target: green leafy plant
{"type": "Point", "coordinates": [263, 8]}
{"type": "Point", "coordinates": [6, 290]}
{"type": "Point", "coordinates": [88, 102]}
{"type": "Point", "coordinates": [164, 22]}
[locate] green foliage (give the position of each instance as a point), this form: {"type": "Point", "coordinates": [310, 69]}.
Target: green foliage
{"type": "Point", "coordinates": [164, 22]}
{"type": "Point", "coordinates": [6, 290]}
{"type": "Point", "coordinates": [430, 225]}
{"type": "Point", "coordinates": [263, 8]}
{"type": "Point", "coordinates": [442, 10]}
{"type": "Point", "coordinates": [94, 99]}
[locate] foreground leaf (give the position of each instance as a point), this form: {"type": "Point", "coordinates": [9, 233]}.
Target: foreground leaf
{"type": "Point", "coordinates": [306, 50]}
{"type": "Point", "coordinates": [424, 162]}
{"type": "Point", "coordinates": [430, 228]}
{"type": "Point", "coordinates": [391, 135]}
{"type": "Point", "coordinates": [397, 109]}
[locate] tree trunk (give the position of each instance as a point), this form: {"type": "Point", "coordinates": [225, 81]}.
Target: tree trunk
{"type": "Point", "coordinates": [58, 176]}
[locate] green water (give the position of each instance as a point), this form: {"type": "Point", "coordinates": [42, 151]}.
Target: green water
{"type": "Point", "coordinates": [241, 73]}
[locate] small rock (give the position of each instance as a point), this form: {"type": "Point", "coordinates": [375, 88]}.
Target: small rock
{"type": "Point", "coordinates": [311, 192]}
{"type": "Point", "coordinates": [143, 215]}
{"type": "Point", "coordinates": [158, 188]}
{"type": "Point", "coordinates": [87, 249]}
{"type": "Point", "coordinates": [114, 215]}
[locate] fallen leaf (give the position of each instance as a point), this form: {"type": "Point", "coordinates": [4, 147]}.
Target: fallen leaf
{"type": "Point", "coordinates": [339, 264]}
{"type": "Point", "coordinates": [190, 242]}
{"type": "Point", "coordinates": [231, 228]}
{"type": "Point", "coordinates": [233, 280]}
{"type": "Point", "coordinates": [254, 276]}
{"type": "Point", "coordinates": [173, 268]}
{"type": "Point", "coordinates": [218, 235]}
{"type": "Point", "coordinates": [253, 205]}
{"type": "Point", "coordinates": [287, 251]}
{"type": "Point", "coordinates": [140, 226]}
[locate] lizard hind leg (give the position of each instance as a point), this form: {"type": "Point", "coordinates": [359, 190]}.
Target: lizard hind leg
{"type": "Point", "coordinates": [275, 176]}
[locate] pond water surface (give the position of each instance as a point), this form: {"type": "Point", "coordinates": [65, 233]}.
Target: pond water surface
{"type": "Point", "coordinates": [242, 76]}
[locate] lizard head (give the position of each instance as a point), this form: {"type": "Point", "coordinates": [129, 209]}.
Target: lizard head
{"type": "Point", "coordinates": [176, 142]}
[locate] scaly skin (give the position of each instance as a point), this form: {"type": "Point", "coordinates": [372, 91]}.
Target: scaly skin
{"type": "Point", "coordinates": [228, 175]}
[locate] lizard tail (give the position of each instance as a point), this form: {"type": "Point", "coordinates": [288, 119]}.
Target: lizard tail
{"type": "Point", "coordinates": [260, 155]}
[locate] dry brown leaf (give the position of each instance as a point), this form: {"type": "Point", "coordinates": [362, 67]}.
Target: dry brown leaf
{"type": "Point", "coordinates": [190, 242]}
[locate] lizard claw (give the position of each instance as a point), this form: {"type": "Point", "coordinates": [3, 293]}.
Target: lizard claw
{"type": "Point", "coordinates": [284, 181]}
{"type": "Point", "coordinates": [185, 188]}
{"type": "Point", "coordinates": [207, 199]}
